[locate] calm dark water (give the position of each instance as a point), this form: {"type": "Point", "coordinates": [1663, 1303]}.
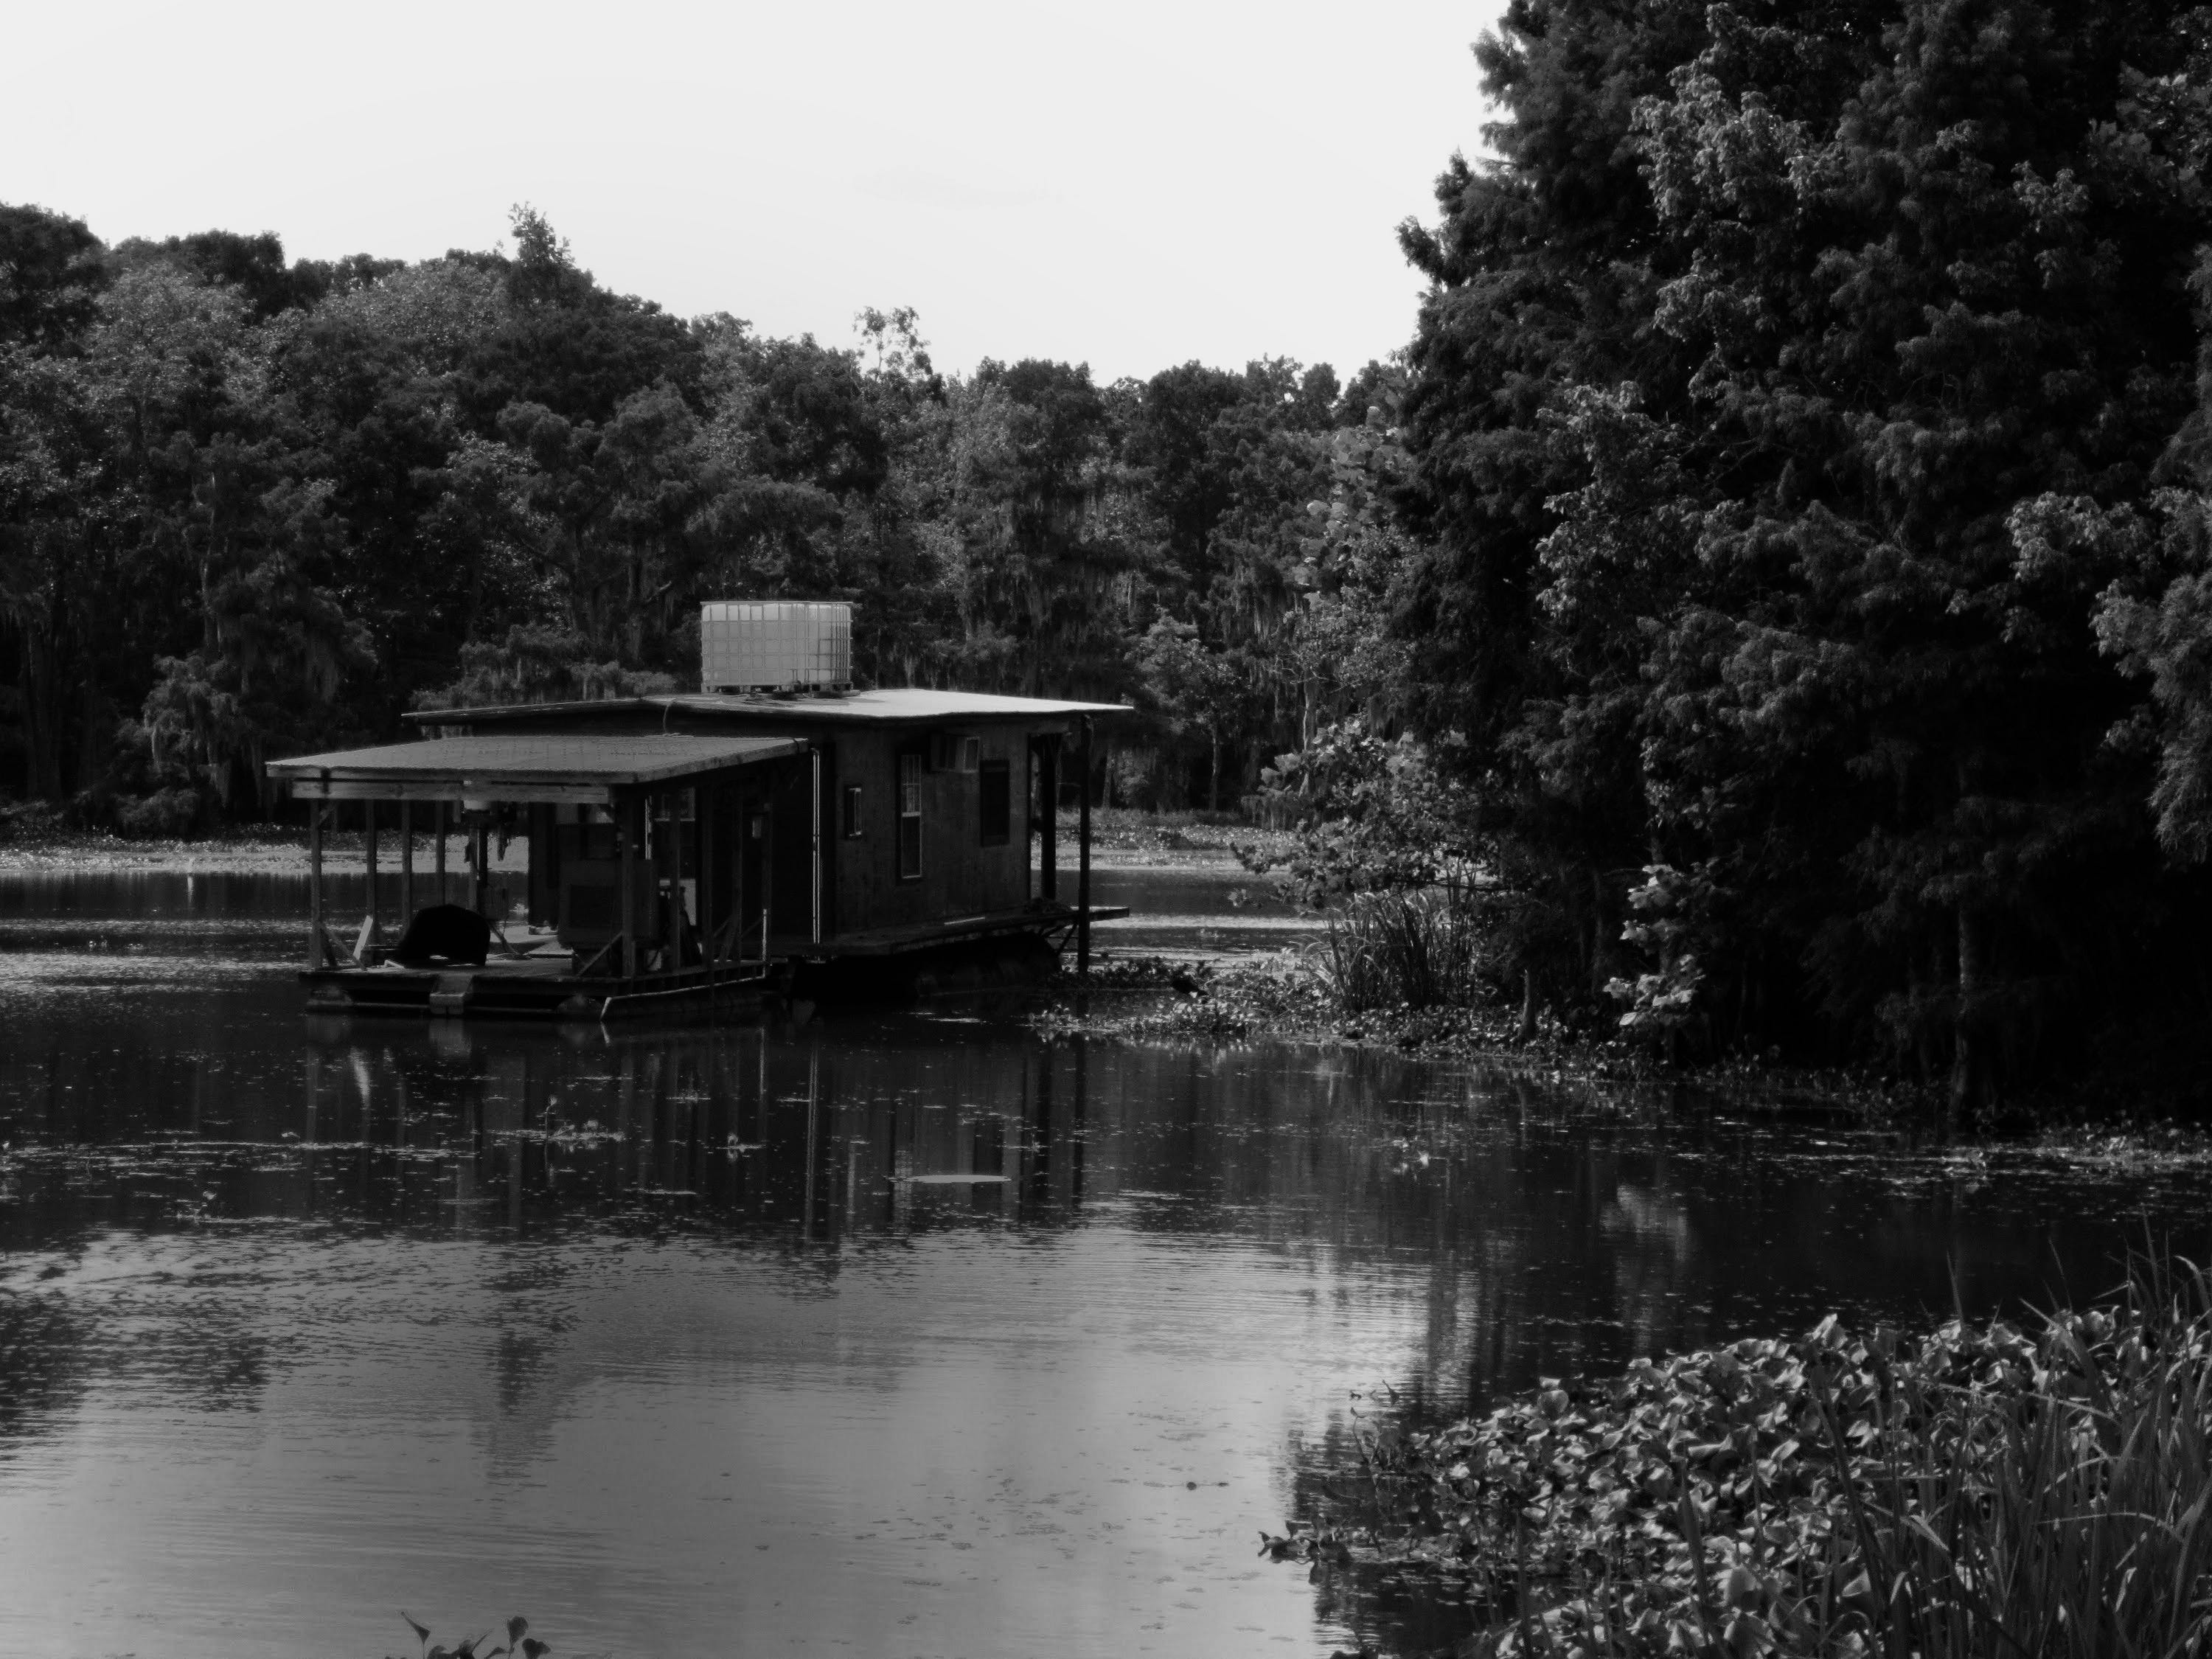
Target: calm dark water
{"type": "Point", "coordinates": [888, 1335]}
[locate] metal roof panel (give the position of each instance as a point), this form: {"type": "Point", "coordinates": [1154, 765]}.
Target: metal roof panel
{"type": "Point", "coordinates": [611, 759]}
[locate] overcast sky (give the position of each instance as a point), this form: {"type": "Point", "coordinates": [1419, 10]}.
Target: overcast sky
{"type": "Point", "coordinates": [1132, 184]}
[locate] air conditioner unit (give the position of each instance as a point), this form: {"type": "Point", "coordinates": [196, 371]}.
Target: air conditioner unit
{"type": "Point", "coordinates": [955, 751]}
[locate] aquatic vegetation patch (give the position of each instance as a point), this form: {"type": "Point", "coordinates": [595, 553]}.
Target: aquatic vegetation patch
{"type": "Point", "coordinates": [518, 1642]}
{"type": "Point", "coordinates": [1981, 1490]}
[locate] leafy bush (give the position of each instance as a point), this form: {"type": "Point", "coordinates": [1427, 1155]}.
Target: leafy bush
{"type": "Point", "coordinates": [28, 820]}
{"type": "Point", "coordinates": [1980, 1491]}
{"type": "Point", "coordinates": [1373, 816]}
{"type": "Point", "coordinates": [164, 814]}
{"type": "Point", "coordinates": [1667, 920]}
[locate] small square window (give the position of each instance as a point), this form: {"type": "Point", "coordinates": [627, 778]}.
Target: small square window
{"type": "Point", "coordinates": [853, 821]}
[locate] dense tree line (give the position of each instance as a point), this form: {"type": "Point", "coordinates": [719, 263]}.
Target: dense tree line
{"type": "Point", "coordinates": [1805, 517]}
{"type": "Point", "coordinates": [250, 508]}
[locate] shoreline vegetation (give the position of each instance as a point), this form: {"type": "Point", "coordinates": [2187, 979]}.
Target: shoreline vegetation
{"type": "Point", "coordinates": [1984, 1489]}
{"type": "Point", "coordinates": [1308, 994]}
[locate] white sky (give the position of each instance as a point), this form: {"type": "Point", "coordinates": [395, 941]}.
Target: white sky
{"type": "Point", "coordinates": [1131, 185]}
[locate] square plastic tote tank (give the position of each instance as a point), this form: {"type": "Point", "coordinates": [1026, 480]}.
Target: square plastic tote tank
{"type": "Point", "coordinates": [775, 646]}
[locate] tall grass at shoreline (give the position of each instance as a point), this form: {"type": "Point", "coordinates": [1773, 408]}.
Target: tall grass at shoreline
{"type": "Point", "coordinates": [1984, 1491]}
{"type": "Point", "coordinates": [1416, 948]}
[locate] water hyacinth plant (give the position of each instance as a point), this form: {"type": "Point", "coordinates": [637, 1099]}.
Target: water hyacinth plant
{"type": "Point", "coordinates": [519, 1644]}
{"type": "Point", "coordinates": [1982, 1491]}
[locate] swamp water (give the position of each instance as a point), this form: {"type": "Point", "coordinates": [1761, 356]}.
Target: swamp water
{"type": "Point", "coordinates": [884, 1335]}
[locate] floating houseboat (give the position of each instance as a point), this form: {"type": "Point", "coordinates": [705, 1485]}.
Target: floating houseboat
{"type": "Point", "coordinates": [778, 832]}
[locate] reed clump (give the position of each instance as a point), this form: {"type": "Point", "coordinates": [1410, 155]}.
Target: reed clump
{"type": "Point", "coordinates": [1412, 948]}
{"type": "Point", "coordinates": [1983, 1490]}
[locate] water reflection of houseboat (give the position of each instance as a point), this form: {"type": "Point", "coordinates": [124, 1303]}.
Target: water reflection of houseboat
{"type": "Point", "coordinates": [777, 832]}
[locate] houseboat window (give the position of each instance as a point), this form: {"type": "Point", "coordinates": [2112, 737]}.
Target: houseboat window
{"type": "Point", "coordinates": [853, 819]}
{"type": "Point", "coordinates": [995, 789]}
{"type": "Point", "coordinates": [909, 817]}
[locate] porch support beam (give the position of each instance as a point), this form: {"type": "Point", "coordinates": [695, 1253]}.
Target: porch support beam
{"type": "Point", "coordinates": [479, 868]}
{"type": "Point", "coordinates": [630, 844]}
{"type": "Point", "coordinates": [1048, 823]}
{"type": "Point", "coordinates": [406, 863]}
{"type": "Point", "coordinates": [1083, 858]}
{"type": "Point", "coordinates": [815, 867]}
{"type": "Point", "coordinates": [368, 858]}
{"type": "Point", "coordinates": [315, 810]}
{"type": "Point", "coordinates": [672, 957]}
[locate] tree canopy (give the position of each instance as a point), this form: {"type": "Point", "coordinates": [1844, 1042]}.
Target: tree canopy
{"type": "Point", "coordinates": [1799, 423]}
{"type": "Point", "coordinates": [249, 506]}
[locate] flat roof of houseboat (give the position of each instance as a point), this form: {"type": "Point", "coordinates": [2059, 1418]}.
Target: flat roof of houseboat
{"type": "Point", "coordinates": [890, 706]}
{"type": "Point", "coordinates": [539, 765]}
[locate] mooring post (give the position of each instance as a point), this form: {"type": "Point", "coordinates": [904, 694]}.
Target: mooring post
{"type": "Point", "coordinates": [1081, 1121]}
{"type": "Point", "coordinates": [813, 1136]}
{"type": "Point", "coordinates": [1082, 859]}
{"type": "Point", "coordinates": [315, 885]}
{"type": "Point", "coordinates": [406, 863]}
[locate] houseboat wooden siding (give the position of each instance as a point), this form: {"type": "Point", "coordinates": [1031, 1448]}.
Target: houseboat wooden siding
{"type": "Point", "coordinates": [965, 867]}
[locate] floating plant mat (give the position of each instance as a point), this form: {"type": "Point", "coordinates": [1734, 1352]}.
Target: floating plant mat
{"type": "Point", "coordinates": [1837, 1493]}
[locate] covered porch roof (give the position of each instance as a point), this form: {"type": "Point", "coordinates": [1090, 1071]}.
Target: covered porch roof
{"type": "Point", "coordinates": [579, 769]}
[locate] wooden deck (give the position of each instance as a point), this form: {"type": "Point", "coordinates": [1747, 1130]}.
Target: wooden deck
{"type": "Point", "coordinates": [1050, 922]}
{"type": "Point", "coordinates": [539, 988]}
{"type": "Point", "coordinates": [532, 978]}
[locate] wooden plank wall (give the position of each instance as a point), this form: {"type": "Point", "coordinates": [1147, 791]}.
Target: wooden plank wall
{"type": "Point", "coordinates": [960, 876]}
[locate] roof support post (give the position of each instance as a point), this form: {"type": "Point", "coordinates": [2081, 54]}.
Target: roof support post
{"type": "Point", "coordinates": [406, 864]}
{"type": "Point", "coordinates": [315, 810]}
{"type": "Point", "coordinates": [629, 843]}
{"type": "Point", "coordinates": [672, 957]}
{"type": "Point", "coordinates": [816, 866]}
{"type": "Point", "coordinates": [1082, 859]}
{"type": "Point", "coordinates": [368, 854]}
{"type": "Point", "coordinates": [480, 866]}
{"type": "Point", "coordinates": [1046, 752]}
{"type": "Point", "coordinates": [442, 851]}
{"type": "Point", "coordinates": [709, 886]}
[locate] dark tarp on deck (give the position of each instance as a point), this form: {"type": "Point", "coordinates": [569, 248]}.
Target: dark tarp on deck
{"type": "Point", "coordinates": [583, 768]}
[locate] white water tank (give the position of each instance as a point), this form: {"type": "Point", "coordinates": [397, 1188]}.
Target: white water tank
{"type": "Point", "coordinates": [774, 644]}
